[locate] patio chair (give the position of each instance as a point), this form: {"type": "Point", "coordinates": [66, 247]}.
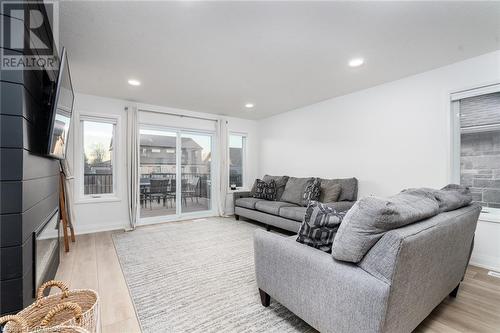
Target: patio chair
{"type": "Point", "coordinates": [157, 191]}
{"type": "Point", "coordinates": [190, 189]}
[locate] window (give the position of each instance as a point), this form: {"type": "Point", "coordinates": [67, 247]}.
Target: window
{"type": "Point", "coordinates": [98, 156]}
{"type": "Point", "coordinates": [478, 149]}
{"type": "Point", "coordinates": [236, 160]}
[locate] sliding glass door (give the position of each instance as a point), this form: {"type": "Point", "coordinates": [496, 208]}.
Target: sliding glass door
{"type": "Point", "coordinates": [196, 168]}
{"type": "Point", "coordinates": [175, 173]}
{"type": "Point", "coordinates": [158, 171]}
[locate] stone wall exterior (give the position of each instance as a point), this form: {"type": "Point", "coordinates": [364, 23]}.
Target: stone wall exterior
{"type": "Point", "coordinates": [480, 166]}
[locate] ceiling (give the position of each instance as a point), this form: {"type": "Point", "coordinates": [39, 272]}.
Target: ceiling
{"type": "Point", "coordinates": [216, 56]}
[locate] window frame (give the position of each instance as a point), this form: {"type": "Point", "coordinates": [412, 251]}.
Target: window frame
{"type": "Point", "coordinates": [80, 188]}
{"type": "Point", "coordinates": [455, 138]}
{"type": "Point", "coordinates": [243, 160]}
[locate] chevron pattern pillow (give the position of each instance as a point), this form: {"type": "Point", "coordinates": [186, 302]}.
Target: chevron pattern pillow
{"type": "Point", "coordinates": [319, 226]}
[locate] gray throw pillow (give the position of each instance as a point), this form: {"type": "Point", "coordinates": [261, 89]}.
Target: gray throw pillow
{"type": "Point", "coordinates": [449, 198]}
{"type": "Point", "coordinates": [280, 184]}
{"type": "Point", "coordinates": [452, 197]}
{"type": "Point", "coordinates": [294, 190]}
{"type": "Point", "coordinates": [349, 187]}
{"type": "Point", "coordinates": [330, 192]}
{"type": "Point", "coordinates": [319, 226]}
{"type": "Point", "coordinates": [371, 217]}
{"type": "Point", "coordinates": [254, 186]}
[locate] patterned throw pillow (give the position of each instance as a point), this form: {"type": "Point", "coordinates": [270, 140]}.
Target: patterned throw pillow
{"type": "Point", "coordinates": [263, 190]}
{"type": "Point", "coordinates": [319, 226]}
{"type": "Point", "coordinates": [312, 191]}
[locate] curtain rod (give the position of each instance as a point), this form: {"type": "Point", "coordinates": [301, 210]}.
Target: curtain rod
{"type": "Point", "coordinates": [178, 115]}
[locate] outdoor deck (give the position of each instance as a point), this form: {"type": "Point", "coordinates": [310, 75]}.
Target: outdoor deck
{"type": "Point", "coordinates": [158, 209]}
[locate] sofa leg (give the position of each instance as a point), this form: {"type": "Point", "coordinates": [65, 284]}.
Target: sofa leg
{"type": "Point", "coordinates": [237, 217]}
{"type": "Point", "coordinates": [265, 299]}
{"type": "Point", "coordinates": [455, 291]}
{"type": "Point", "coordinates": [268, 227]}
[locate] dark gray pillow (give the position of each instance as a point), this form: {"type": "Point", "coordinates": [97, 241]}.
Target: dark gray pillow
{"type": "Point", "coordinates": [280, 184]}
{"type": "Point", "coordinates": [319, 226]}
{"type": "Point", "coordinates": [265, 190]}
{"type": "Point", "coordinates": [330, 192]}
{"type": "Point", "coordinates": [294, 190]}
{"type": "Point", "coordinates": [371, 217]}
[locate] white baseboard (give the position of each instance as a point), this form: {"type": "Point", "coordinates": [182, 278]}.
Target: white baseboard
{"type": "Point", "coordinates": [93, 228]}
{"type": "Point", "coordinates": [487, 262]}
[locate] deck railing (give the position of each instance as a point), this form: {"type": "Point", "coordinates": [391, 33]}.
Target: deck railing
{"type": "Point", "coordinates": [103, 183]}
{"type": "Point", "coordinates": [100, 183]}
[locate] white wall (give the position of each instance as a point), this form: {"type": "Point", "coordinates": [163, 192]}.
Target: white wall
{"type": "Point", "coordinates": [92, 216]}
{"type": "Point", "coordinates": [390, 137]}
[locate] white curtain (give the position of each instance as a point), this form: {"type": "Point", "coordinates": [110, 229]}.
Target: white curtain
{"type": "Point", "coordinates": [222, 138]}
{"type": "Point", "coordinates": [133, 165]}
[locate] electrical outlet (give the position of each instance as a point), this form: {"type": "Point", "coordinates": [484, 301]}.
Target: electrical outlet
{"type": "Point", "coordinates": [494, 274]}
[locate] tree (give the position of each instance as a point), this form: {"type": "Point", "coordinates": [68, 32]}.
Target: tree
{"type": "Point", "coordinates": [97, 153]}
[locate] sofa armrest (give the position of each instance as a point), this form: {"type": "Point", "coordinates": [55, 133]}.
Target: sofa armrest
{"type": "Point", "coordinates": [330, 295]}
{"type": "Point", "coordinates": [241, 194]}
{"type": "Point", "coordinates": [341, 206]}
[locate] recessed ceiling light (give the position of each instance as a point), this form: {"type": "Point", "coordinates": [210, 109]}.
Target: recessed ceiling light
{"type": "Point", "coordinates": [356, 62]}
{"type": "Point", "coordinates": [249, 105]}
{"type": "Point", "coordinates": [133, 82]}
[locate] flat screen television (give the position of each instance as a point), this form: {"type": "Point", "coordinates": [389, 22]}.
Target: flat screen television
{"type": "Point", "coordinates": [61, 111]}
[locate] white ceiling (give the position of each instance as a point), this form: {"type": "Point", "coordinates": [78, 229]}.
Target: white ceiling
{"type": "Point", "coordinates": [217, 56]}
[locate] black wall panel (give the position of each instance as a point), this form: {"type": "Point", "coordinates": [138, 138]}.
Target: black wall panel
{"type": "Point", "coordinates": [15, 229]}
{"type": "Point", "coordinates": [29, 181]}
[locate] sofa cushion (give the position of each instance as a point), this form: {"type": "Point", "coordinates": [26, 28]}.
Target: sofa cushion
{"type": "Point", "coordinates": [247, 202]}
{"type": "Point", "coordinates": [319, 226]}
{"type": "Point", "coordinates": [265, 190]}
{"type": "Point", "coordinates": [271, 207]}
{"type": "Point", "coordinates": [349, 190]}
{"type": "Point", "coordinates": [294, 190]}
{"type": "Point", "coordinates": [371, 217]}
{"type": "Point", "coordinates": [280, 184]}
{"type": "Point", "coordinates": [329, 192]}
{"type": "Point", "coordinates": [293, 213]}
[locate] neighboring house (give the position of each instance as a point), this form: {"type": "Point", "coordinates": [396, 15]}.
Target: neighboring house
{"type": "Point", "coordinates": [157, 155]}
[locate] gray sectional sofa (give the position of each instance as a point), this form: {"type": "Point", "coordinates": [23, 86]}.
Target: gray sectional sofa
{"type": "Point", "coordinates": [288, 211]}
{"type": "Point", "coordinates": [394, 285]}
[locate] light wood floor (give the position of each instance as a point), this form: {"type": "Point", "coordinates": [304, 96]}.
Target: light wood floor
{"type": "Point", "coordinates": [93, 263]}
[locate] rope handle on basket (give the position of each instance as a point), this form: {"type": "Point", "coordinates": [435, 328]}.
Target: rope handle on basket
{"type": "Point", "coordinates": [52, 283]}
{"type": "Point", "coordinates": [18, 320]}
{"type": "Point", "coordinates": [77, 311]}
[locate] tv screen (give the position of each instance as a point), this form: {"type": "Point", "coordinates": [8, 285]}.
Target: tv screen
{"type": "Point", "coordinates": [62, 108]}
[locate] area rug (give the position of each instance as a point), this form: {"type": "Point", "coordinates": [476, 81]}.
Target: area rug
{"type": "Point", "coordinates": [198, 276]}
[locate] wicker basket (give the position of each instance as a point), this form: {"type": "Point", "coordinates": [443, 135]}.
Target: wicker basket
{"type": "Point", "coordinates": [20, 325]}
{"type": "Point", "coordinates": [87, 299]}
